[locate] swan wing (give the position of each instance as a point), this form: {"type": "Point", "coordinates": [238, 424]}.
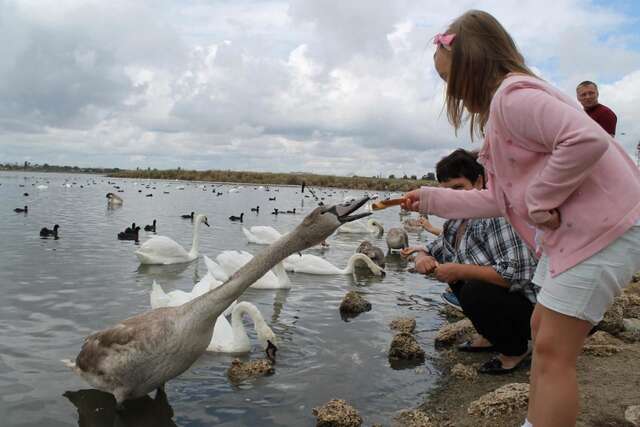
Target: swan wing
{"type": "Point", "coordinates": [312, 264]}
{"type": "Point", "coordinates": [215, 269]}
{"type": "Point", "coordinates": [222, 340]}
{"type": "Point", "coordinates": [264, 235]}
{"type": "Point", "coordinates": [162, 250]}
{"type": "Point", "coordinates": [158, 298]}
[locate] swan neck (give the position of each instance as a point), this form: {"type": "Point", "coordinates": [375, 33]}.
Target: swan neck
{"type": "Point", "coordinates": [196, 240]}
{"type": "Point", "coordinates": [360, 257]}
{"type": "Point", "coordinates": [249, 309]}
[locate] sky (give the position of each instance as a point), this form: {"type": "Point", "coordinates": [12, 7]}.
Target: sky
{"type": "Point", "coordinates": [320, 86]}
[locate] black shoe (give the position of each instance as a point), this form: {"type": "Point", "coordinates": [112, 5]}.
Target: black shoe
{"type": "Point", "coordinates": [467, 347]}
{"type": "Point", "coordinates": [493, 366]}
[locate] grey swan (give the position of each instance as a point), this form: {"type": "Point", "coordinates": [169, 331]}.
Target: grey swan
{"type": "Point", "coordinates": [142, 353]}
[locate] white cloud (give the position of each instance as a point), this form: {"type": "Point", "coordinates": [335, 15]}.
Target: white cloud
{"type": "Point", "coordinates": [329, 87]}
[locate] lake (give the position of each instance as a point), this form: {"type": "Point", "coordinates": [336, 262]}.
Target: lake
{"type": "Point", "coordinates": [56, 292]}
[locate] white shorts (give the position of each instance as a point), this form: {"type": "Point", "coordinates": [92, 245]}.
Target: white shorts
{"type": "Point", "coordinates": [587, 290]}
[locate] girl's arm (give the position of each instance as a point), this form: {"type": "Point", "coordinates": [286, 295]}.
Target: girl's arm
{"type": "Point", "coordinates": [576, 143]}
{"type": "Point", "coordinates": [456, 204]}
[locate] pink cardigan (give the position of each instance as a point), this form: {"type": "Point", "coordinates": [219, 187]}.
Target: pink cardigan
{"type": "Point", "coordinates": [542, 152]}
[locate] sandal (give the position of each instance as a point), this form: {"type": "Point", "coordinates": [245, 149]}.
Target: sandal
{"type": "Point", "coordinates": [493, 366]}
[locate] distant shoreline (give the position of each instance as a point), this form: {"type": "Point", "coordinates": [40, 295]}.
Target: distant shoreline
{"type": "Point", "coordinates": [240, 177]}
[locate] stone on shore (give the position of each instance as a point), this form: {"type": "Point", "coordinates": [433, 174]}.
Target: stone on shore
{"type": "Point", "coordinates": [448, 334]}
{"type": "Point", "coordinates": [403, 324]}
{"type": "Point", "coordinates": [631, 325]}
{"type": "Point", "coordinates": [412, 418]}
{"type": "Point", "coordinates": [504, 400]}
{"type": "Point", "coordinates": [353, 303]}
{"type": "Point", "coordinates": [464, 372]}
{"type": "Point", "coordinates": [404, 346]}
{"type": "Point", "coordinates": [240, 371]}
{"type": "Point", "coordinates": [612, 321]}
{"type": "Point", "coordinates": [451, 313]}
{"type": "Point", "coordinates": [602, 344]}
{"type": "Point", "coordinates": [337, 413]}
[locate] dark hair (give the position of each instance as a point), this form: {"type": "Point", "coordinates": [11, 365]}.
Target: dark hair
{"type": "Point", "coordinates": [459, 164]}
{"type": "Point", "coordinates": [587, 83]}
{"type": "Point", "coordinates": [482, 55]}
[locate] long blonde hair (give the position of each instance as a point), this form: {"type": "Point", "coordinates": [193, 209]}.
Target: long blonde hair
{"type": "Point", "coordinates": [482, 54]}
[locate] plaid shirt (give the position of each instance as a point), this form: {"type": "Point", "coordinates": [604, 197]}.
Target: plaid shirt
{"type": "Point", "coordinates": [492, 242]}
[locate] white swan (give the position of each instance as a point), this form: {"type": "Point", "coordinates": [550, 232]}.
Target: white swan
{"type": "Point", "coordinates": [312, 264]}
{"type": "Point", "coordinates": [361, 226]}
{"type": "Point", "coordinates": [261, 234]}
{"type": "Point", "coordinates": [163, 250]}
{"type": "Point", "coordinates": [228, 262]}
{"type": "Point", "coordinates": [232, 337]}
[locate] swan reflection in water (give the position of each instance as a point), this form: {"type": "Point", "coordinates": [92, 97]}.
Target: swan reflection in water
{"type": "Point", "coordinates": [98, 409]}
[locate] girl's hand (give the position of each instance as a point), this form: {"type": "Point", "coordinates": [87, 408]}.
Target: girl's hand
{"type": "Point", "coordinates": [412, 200]}
{"type": "Point", "coordinates": [554, 220]}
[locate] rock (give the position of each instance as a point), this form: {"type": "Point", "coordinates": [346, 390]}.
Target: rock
{"type": "Point", "coordinates": [412, 418]}
{"type": "Point", "coordinates": [630, 305]}
{"type": "Point", "coordinates": [602, 344]}
{"type": "Point", "coordinates": [337, 413]}
{"type": "Point", "coordinates": [632, 414]}
{"type": "Point", "coordinates": [630, 336]}
{"type": "Point", "coordinates": [464, 372]}
{"type": "Point", "coordinates": [504, 400]}
{"type": "Point", "coordinates": [403, 324]}
{"type": "Point", "coordinates": [353, 303]}
{"type": "Point", "coordinates": [612, 321]}
{"type": "Point", "coordinates": [405, 347]}
{"type": "Point", "coordinates": [451, 332]}
{"type": "Point", "coordinates": [451, 313]}
{"type": "Point", "coordinates": [636, 277]}
{"type": "Point", "coordinates": [240, 371]}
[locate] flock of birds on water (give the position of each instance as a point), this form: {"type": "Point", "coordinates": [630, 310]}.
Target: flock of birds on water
{"type": "Point", "coordinates": [140, 354]}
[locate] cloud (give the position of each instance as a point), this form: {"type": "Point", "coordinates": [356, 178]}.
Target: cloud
{"type": "Point", "coordinates": [327, 87]}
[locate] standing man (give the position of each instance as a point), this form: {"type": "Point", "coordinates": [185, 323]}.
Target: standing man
{"type": "Point", "coordinates": [587, 93]}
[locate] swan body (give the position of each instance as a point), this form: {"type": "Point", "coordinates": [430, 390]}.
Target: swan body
{"type": "Point", "coordinates": [113, 199]}
{"type": "Point", "coordinates": [397, 239]}
{"type": "Point", "coordinates": [140, 354]}
{"type": "Point", "coordinates": [369, 226]}
{"type": "Point", "coordinates": [232, 337]}
{"type": "Point", "coordinates": [163, 250]}
{"type": "Point", "coordinates": [261, 234]}
{"type": "Point", "coordinates": [312, 264]}
{"type": "Point", "coordinates": [231, 261]}
{"type": "Point", "coordinates": [372, 251]}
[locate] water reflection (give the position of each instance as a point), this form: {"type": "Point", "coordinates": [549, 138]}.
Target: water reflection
{"type": "Point", "coordinates": [98, 409]}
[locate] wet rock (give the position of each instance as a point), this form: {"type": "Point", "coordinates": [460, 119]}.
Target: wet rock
{"type": "Point", "coordinates": [353, 304]}
{"type": "Point", "coordinates": [636, 277]}
{"type": "Point", "coordinates": [612, 321]}
{"type": "Point", "coordinates": [412, 418]}
{"type": "Point", "coordinates": [240, 371]}
{"type": "Point", "coordinates": [602, 344]}
{"type": "Point", "coordinates": [451, 332]}
{"type": "Point", "coordinates": [631, 325]}
{"type": "Point", "coordinates": [451, 313]}
{"type": "Point", "coordinates": [630, 305]}
{"type": "Point", "coordinates": [403, 324]}
{"type": "Point", "coordinates": [632, 414]}
{"type": "Point", "coordinates": [504, 400]}
{"type": "Point", "coordinates": [464, 372]}
{"type": "Point", "coordinates": [404, 346]}
{"type": "Point", "coordinates": [337, 413]}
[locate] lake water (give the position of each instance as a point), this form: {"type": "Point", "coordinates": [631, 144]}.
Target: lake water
{"type": "Point", "coordinates": [56, 292]}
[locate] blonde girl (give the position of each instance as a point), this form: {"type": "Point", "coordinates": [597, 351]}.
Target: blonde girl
{"type": "Point", "coordinates": [565, 185]}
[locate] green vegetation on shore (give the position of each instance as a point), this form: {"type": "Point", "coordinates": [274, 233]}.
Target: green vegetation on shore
{"type": "Point", "coordinates": [34, 167]}
{"type": "Point", "coordinates": [267, 178]}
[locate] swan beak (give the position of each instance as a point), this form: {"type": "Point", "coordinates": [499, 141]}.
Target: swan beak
{"type": "Point", "coordinates": [343, 211]}
{"type": "Point", "coordinates": [271, 351]}
{"type": "Point", "coordinates": [205, 223]}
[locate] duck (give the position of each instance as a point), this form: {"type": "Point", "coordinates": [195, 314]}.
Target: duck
{"type": "Point", "coordinates": [256, 209]}
{"type": "Point", "coordinates": [272, 199]}
{"type": "Point", "coordinates": [275, 211]}
{"type": "Point", "coordinates": [236, 218]}
{"type": "Point", "coordinates": [141, 353]}
{"type": "Point", "coordinates": [151, 227]}
{"type": "Point", "coordinates": [261, 234]}
{"type": "Point", "coordinates": [129, 235]}
{"type": "Point", "coordinates": [293, 211]}
{"type": "Point", "coordinates": [21, 210]}
{"type": "Point", "coordinates": [372, 251]}
{"type": "Point", "coordinates": [313, 264]}
{"type": "Point", "coordinates": [240, 371]}
{"type": "Point", "coordinates": [188, 216]}
{"type": "Point", "coordinates": [228, 262]}
{"type": "Point", "coordinates": [114, 199]}
{"type": "Point", "coordinates": [397, 239]}
{"type": "Point", "coordinates": [369, 226]}
{"type": "Point", "coordinates": [130, 229]}
{"type": "Point", "coordinates": [164, 250]}
{"type": "Point", "coordinates": [45, 232]}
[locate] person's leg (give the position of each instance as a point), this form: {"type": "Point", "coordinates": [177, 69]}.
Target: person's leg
{"type": "Point", "coordinates": [457, 288]}
{"type": "Point", "coordinates": [535, 326]}
{"type": "Point", "coordinates": [502, 317]}
{"type": "Point", "coordinates": [558, 343]}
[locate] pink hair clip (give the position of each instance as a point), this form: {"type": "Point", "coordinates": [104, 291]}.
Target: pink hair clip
{"type": "Point", "coordinates": [444, 40]}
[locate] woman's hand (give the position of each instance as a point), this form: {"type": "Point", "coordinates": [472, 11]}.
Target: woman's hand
{"type": "Point", "coordinates": [449, 272]}
{"type": "Point", "coordinates": [554, 220]}
{"type": "Point", "coordinates": [412, 200]}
